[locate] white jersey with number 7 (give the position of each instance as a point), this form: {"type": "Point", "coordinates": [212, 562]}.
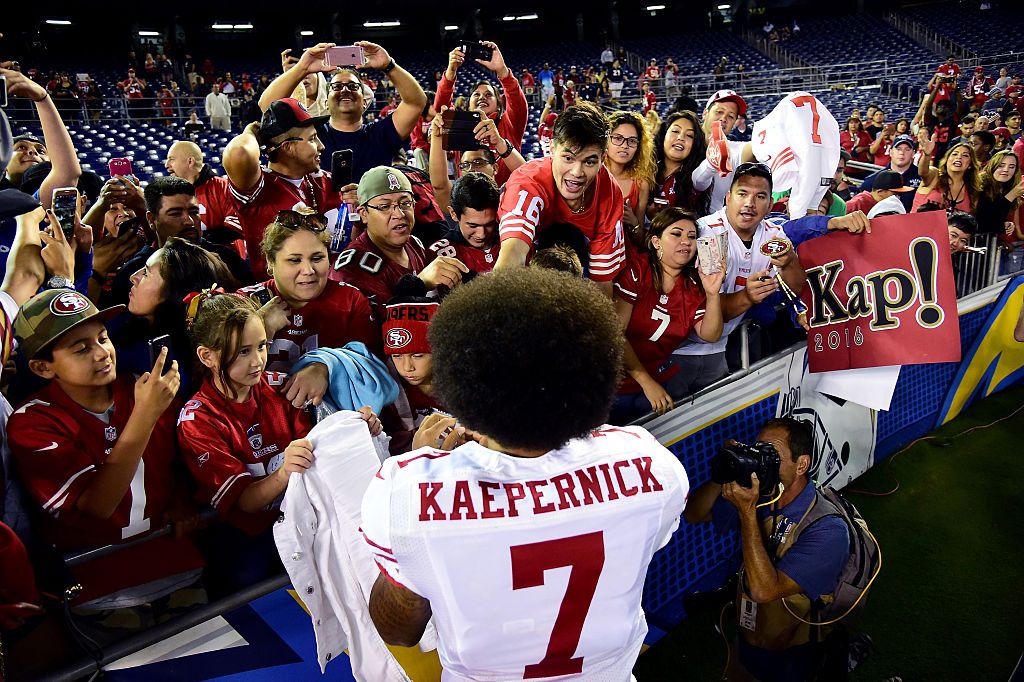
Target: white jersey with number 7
{"type": "Point", "coordinates": [534, 567]}
{"type": "Point", "coordinates": [799, 141]}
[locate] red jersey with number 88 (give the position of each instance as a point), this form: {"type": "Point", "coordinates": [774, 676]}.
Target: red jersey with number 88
{"type": "Point", "coordinates": [531, 202]}
{"type": "Point", "coordinates": [534, 567]}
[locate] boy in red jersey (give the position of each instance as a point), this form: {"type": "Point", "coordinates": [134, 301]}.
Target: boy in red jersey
{"type": "Point", "coordinates": [474, 206]}
{"type": "Point", "coordinates": [95, 450]}
{"type": "Point", "coordinates": [572, 186]}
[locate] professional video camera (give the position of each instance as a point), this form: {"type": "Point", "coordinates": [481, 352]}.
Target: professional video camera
{"type": "Point", "coordinates": [736, 461]}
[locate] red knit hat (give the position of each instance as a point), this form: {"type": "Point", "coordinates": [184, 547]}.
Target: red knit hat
{"type": "Point", "coordinates": [405, 327]}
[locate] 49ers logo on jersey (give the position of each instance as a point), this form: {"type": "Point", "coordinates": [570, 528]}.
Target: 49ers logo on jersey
{"type": "Point", "coordinates": [69, 303]}
{"type": "Point", "coordinates": [398, 338]}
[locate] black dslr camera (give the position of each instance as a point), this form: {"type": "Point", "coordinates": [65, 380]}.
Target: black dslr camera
{"type": "Point", "coordinates": [736, 461]}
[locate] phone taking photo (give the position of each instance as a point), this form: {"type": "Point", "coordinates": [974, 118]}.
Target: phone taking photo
{"type": "Point", "coordinates": [262, 296]}
{"type": "Point", "coordinates": [344, 55]}
{"type": "Point", "coordinates": [457, 130]}
{"type": "Point", "coordinates": [341, 169]}
{"type": "Point", "coordinates": [65, 207]}
{"type": "Point", "coordinates": [477, 51]}
{"type": "Point", "coordinates": [120, 166]}
{"type": "Point", "coordinates": [155, 346]}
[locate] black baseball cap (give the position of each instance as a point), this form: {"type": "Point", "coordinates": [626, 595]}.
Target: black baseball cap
{"type": "Point", "coordinates": [752, 168]}
{"type": "Point", "coordinates": [905, 139]}
{"type": "Point", "coordinates": [283, 115]}
{"type": "Point", "coordinates": [890, 180]}
{"type": "Point", "coordinates": [27, 137]}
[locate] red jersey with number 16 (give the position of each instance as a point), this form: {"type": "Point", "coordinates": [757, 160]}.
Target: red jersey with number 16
{"type": "Point", "coordinates": [58, 448]}
{"type": "Point", "coordinates": [531, 202]}
{"type": "Point", "coordinates": [338, 315]}
{"type": "Point", "coordinates": [659, 322]}
{"type": "Point", "coordinates": [534, 567]}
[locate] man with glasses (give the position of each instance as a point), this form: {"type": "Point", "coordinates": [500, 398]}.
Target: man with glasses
{"type": "Point", "coordinates": [387, 251]}
{"type": "Point", "coordinates": [372, 144]}
{"type": "Point", "coordinates": [292, 178]}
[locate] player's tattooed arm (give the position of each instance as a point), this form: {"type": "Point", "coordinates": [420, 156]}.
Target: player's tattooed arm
{"type": "Point", "coordinates": [400, 616]}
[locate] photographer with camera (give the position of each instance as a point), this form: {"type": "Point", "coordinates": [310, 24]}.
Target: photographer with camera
{"type": "Point", "coordinates": [794, 549]}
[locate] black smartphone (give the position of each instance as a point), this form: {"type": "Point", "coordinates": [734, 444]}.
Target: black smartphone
{"type": "Point", "coordinates": [154, 351]}
{"type": "Point", "coordinates": [262, 296]}
{"type": "Point", "coordinates": [3, 92]}
{"type": "Point", "coordinates": [65, 207]}
{"type": "Point", "coordinates": [458, 130]}
{"type": "Point", "coordinates": [477, 51]}
{"type": "Point", "coordinates": [130, 225]}
{"type": "Point", "coordinates": [341, 169]}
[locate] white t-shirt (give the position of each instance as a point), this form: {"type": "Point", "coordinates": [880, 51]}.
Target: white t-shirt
{"type": "Point", "coordinates": [503, 545]}
{"type": "Point", "coordinates": [799, 141]}
{"type": "Point", "coordinates": [741, 261]}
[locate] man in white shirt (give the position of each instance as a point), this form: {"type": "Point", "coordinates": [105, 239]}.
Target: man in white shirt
{"type": "Point", "coordinates": [218, 108]}
{"type": "Point", "coordinates": [530, 545]}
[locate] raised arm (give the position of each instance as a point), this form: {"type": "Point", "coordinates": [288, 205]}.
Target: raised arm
{"type": "Point", "coordinates": [414, 99]}
{"type": "Point", "coordinates": [25, 271]}
{"type": "Point", "coordinates": [65, 169]}
{"type": "Point", "coordinates": [438, 165]}
{"type": "Point", "coordinates": [312, 61]}
{"type": "Point", "coordinates": [242, 158]}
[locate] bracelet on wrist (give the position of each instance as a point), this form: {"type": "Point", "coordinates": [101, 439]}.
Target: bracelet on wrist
{"type": "Point", "coordinates": [508, 149]}
{"type": "Point", "coordinates": [389, 67]}
{"type": "Point", "coordinates": [45, 95]}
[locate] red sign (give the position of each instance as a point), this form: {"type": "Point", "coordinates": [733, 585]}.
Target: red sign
{"type": "Point", "coordinates": [885, 298]}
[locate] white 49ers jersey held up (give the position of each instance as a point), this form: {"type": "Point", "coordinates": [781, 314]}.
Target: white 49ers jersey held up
{"type": "Point", "coordinates": [534, 568]}
{"type": "Point", "coordinates": [799, 141]}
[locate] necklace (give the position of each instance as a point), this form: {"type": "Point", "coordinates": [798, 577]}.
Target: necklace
{"type": "Point", "coordinates": [583, 205]}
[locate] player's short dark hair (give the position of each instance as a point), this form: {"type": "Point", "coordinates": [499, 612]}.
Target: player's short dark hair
{"type": "Point", "coordinates": [798, 434]}
{"type": "Point", "coordinates": [475, 191]}
{"type": "Point", "coordinates": [754, 169]}
{"type": "Point", "coordinates": [528, 356]}
{"type": "Point", "coordinates": [581, 125]}
{"type": "Point", "coordinates": [969, 118]}
{"type": "Point", "coordinates": [168, 186]}
{"type": "Point", "coordinates": [962, 221]}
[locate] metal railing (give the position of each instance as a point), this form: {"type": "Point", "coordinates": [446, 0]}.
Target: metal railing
{"type": "Point", "coordinates": [933, 40]}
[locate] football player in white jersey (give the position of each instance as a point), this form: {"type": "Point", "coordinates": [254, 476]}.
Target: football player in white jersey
{"type": "Point", "coordinates": [798, 140]}
{"type": "Point", "coordinates": [530, 545]}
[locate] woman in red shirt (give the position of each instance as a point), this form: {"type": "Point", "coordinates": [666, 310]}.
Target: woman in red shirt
{"type": "Point", "coordinates": [855, 140]}
{"type": "Point", "coordinates": [661, 295]}
{"type": "Point", "coordinates": [630, 158]}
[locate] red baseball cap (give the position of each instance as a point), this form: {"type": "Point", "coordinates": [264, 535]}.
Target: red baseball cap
{"type": "Point", "coordinates": [1002, 132]}
{"type": "Point", "coordinates": [728, 96]}
{"type": "Point", "coordinates": [979, 69]}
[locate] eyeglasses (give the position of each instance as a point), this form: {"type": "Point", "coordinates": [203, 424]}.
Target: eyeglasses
{"type": "Point", "coordinates": [405, 205]}
{"type": "Point", "coordinates": [351, 86]}
{"type": "Point", "coordinates": [630, 142]}
{"type": "Point", "coordinates": [307, 219]}
{"type": "Point", "coordinates": [475, 164]}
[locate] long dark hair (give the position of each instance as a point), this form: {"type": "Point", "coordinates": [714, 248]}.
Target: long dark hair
{"type": "Point", "coordinates": [686, 196]}
{"type": "Point", "coordinates": [661, 222]}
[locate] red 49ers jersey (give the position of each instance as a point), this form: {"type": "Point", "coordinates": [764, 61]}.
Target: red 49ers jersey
{"type": "Point", "coordinates": [58, 448]}
{"type": "Point", "coordinates": [659, 322]}
{"type": "Point", "coordinates": [217, 205]}
{"type": "Point", "coordinates": [338, 315]}
{"type": "Point", "coordinates": [534, 567]}
{"type": "Point", "coordinates": [365, 267]}
{"type": "Point", "coordinates": [477, 260]}
{"type": "Point", "coordinates": [228, 445]}
{"type": "Point", "coordinates": [531, 202]}
{"type": "Point", "coordinates": [258, 207]}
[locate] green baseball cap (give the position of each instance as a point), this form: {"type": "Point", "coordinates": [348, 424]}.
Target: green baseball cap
{"type": "Point", "coordinates": [382, 180]}
{"type": "Point", "coordinates": [45, 317]}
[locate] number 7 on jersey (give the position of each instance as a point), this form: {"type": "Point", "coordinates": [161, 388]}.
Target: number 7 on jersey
{"type": "Point", "coordinates": [585, 554]}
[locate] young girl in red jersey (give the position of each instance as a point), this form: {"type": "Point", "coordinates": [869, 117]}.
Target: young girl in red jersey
{"type": "Point", "coordinates": [307, 311]}
{"type": "Point", "coordinates": [407, 346]}
{"type": "Point", "coordinates": [660, 296]}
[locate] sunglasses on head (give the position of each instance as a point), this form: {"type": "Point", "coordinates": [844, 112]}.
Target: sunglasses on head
{"type": "Point", "coordinates": [293, 220]}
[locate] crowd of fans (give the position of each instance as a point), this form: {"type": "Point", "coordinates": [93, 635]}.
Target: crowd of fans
{"type": "Point", "coordinates": [175, 341]}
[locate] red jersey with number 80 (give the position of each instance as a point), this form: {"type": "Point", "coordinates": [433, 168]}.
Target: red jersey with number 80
{"type": "Point", "coordinates": [659, 322]}
{"type": "Point", "coordinates": [58, 449]}
{"type": "Point", "coordinates": [531, 202]}
{"type": "Point", "coordinates": [534, 567]}
{"type": "Point", "coordinates": [365, 267]}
